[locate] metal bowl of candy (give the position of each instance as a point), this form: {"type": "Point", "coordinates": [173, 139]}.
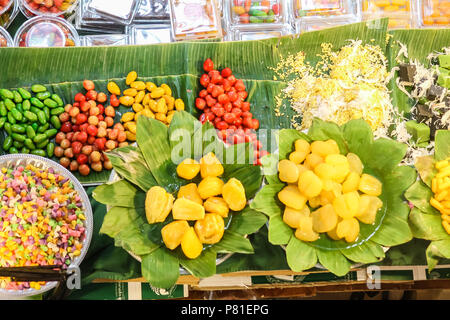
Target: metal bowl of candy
{"type": "Point", "coordinates": [46, 32]}
{"type": "Point", "coordinates": [5, 38]}
{"type": "Point", "coordinates": [45, 220]}
{"type": "Point", "coordinates": [54, 8]}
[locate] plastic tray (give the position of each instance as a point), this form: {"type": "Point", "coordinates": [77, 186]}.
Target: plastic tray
{"type": "Point", "coordinates": [39, 31]}
{"type": "Point", "coordinates": [5, 38]}
{"type": "Point", "coordinates": [14, 160]}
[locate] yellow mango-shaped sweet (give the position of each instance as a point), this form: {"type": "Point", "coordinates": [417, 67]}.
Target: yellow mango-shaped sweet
{"type": "Point", "coordinates": [348, 229]}
{"type": "Point", "coordinates": [324, 219]}
{"type": "Point", "coordinates": [370, 185]}
{"type": "Point", "coordinates": [302, 145]}
{"type": "Point", "coordinates": [185, 209]}
{"type": "Point", "coordinates": [324, 171]}
{"type": "Point", "coordinates": [313, 160]}
{"type": "Point", "coordinates": [324, 148]}
{"type": "Point", "coordinates": [368, 208]}
{"type": "Point", "coordinates": [309, 184]}
{"type": "Point", "coordinates": [190, 191]}
{"type": "Point", "coordinates": [341, 166]}
{"type": "Point", "coordinates": [210, 166]}
{"type": "Point", "coordinates": [287, 171]}
{"type": "Point", "coordinates": [188, 169]}
{"type": "Point", "coordinates": [297, 156]}
{"type": "Point", "coordinates": [305, 232]}
{"type": "Point", "coordinates": [173, 232]}
{"type": "Point", "coordinates": [347, 205]}
{"type": "Point", "coordinates": [291, 197]}
{"type": "Point", "coordinates": [191, 244]}
{"type": "Point", "coordinates": [210, 229]}
{"type": "Point", "coordinates": [355, 163]}
{"type": "Point", "coordinates": [210, 187]}
{"type": "Point", "coordinates": [293, 217]}
{"type": "Point", "coordinates": [351, 183]}
{"type": "Point", "coordinates": [158, 204]}
{"type": "Point", "coordinates": [234, 194]}
{"type": "Point", "coordinates": [217, 205]}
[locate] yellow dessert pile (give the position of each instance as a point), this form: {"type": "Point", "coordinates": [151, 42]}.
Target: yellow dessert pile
{"type": "Point", "coordinates": [440, 186]}
{"type": "Point", "coordinates": [205, 205]}
{"type": "Point", "coordinates": [327, 192]}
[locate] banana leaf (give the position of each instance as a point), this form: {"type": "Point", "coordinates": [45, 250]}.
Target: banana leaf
{"type": "Point", "coordinates": [126, 221]}
{"type": "Point", "coordinates": [381, 159]}
{"type": "Point", "coordinates": [425, 220]}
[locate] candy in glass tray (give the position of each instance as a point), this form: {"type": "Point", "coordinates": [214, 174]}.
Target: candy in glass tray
{"type": "Point", "coordinates": [311, 15]}
{"type": "Point", "coordinates": [250, 12]}
{"type": "Point", "coordinates": [399, 12]}
{"type": "Point", "coordinates": [433, 13]}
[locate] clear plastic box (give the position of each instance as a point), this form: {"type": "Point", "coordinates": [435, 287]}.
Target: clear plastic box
{"type": "Point", "coordinates": [251, 12]}
{"type": "Point", "coordinates": [433, 13]}
{"type": "Point", "coordinates": [8, 11]}
{"type": "Point", "coordinates": [258, 32]}
{"type": "Point", "coordinates": [142, 34]}
{"type": "Point", "coordinates": [152, 11]}
{"type": "Point", "coordinates": [312, 15]}
{"type": "Point", "coordinates": [195, 19]}
{"type": "Point", "coordinates": [46, 32]}
{"type": "Point", "coordinates": [104, 40]}
{"type": "Point", "coordinates": [122, 11]}
{"type": "Point", "coordinates": [31, 9]}
{"type": "Point", "coordinates": [399, 12]}
{"type": "Point", "coordinates": [5, 38]}
{"type": "Point", "coordinates": [315, 25]}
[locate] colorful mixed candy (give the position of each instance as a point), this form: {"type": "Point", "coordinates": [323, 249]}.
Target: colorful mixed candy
{"type": "Point", "coordinates": [248, 11]}
{"type": "Point", "coordinates": [42, 221]}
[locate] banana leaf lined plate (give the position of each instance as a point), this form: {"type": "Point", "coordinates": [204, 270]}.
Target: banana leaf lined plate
{"type": "Point", "coordinates": [381, 158]}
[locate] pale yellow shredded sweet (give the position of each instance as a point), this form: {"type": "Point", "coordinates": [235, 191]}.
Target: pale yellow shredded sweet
{"type": "Point", "coordinates": [346, 84]}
